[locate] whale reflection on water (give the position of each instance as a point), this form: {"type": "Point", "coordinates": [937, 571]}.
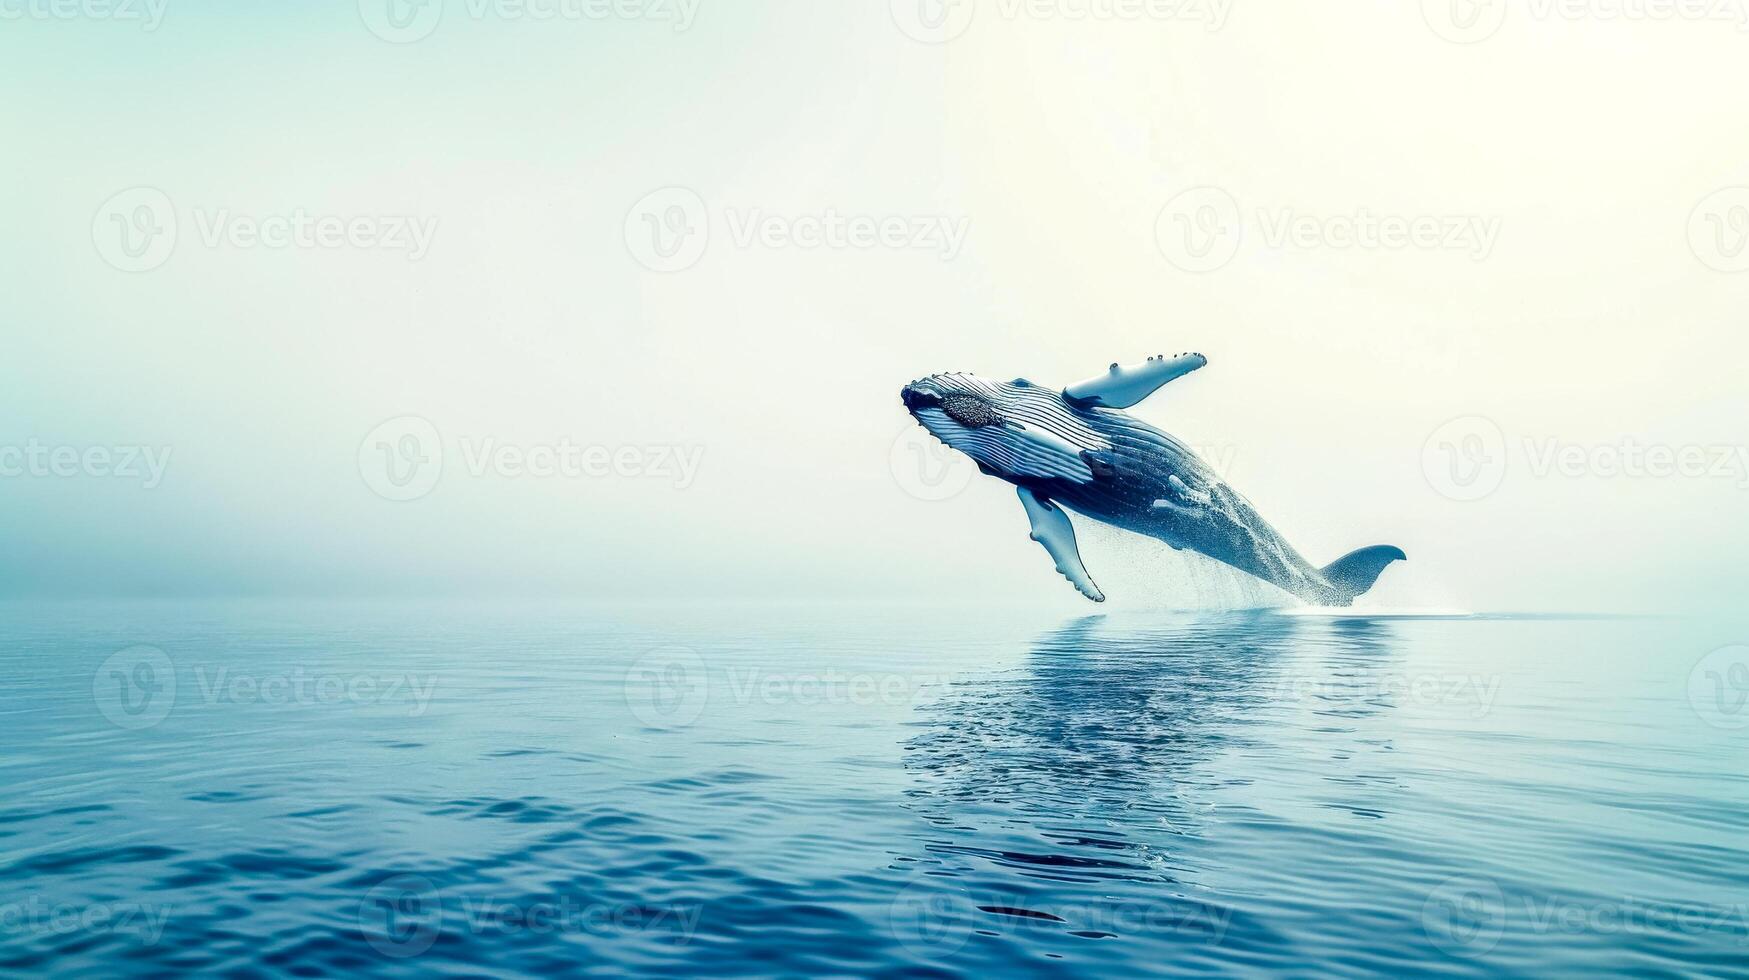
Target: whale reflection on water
{"type": "Point", "coordinates": [1105, 720]}
{"type": "Point", "coordinates": [1076, 787]}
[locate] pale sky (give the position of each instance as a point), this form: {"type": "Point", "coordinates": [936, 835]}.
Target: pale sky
{"type": "Point", "coordinates": [1375, 218]}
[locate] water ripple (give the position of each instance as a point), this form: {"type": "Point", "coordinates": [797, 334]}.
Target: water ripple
{"type": "Point", "coordinates": [1183, 796]}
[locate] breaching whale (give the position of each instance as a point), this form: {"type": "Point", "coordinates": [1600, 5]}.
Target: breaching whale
{"type": "Point", "coordinates": [1077, 448]}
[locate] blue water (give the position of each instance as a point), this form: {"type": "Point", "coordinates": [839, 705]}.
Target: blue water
{"type": "Point", "coordinates": [275, 789]}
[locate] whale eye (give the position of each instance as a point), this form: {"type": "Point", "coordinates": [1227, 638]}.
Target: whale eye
{"type": "Point", "coordinates": [970, 410]}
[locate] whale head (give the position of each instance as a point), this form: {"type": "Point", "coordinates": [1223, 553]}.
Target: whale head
{"type": "Point", "coordinates": [1015, 430]}
{"type": "Point", "coordinates": [953, 404]}
{"type": "Point", "coordinates": [965, 412]}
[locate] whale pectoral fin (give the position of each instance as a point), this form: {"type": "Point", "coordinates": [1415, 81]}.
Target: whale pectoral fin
{"type": "Point", "coordinates": [1126, 385]}
{"type": "Point", "coordinates": [1051, 528]}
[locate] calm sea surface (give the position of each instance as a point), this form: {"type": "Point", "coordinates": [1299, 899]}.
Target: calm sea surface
{"type": "Point", "coordinates": [417, 789]}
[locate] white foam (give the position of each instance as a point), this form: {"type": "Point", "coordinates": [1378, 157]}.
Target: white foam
{"type": "Point", "coordinates": [1352, 612]}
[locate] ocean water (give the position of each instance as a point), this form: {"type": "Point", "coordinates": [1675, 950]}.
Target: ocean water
{"type": "Point", "coordinates": [419, 789]}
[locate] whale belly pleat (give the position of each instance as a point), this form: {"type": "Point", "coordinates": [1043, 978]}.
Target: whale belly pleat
{"type": "Point", "coordinates": [1040, 438]}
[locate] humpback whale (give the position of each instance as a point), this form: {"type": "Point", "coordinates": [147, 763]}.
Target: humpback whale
{"type": "Point", "coordinates": [1077, 448]}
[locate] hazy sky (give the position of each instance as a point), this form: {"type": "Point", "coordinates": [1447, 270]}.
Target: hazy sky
{"type": "Point", "coordinates": [638, 290]}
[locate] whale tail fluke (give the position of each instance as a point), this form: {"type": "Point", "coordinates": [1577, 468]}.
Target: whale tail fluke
{"type": "Point", "coordinates": [1354, 573]}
